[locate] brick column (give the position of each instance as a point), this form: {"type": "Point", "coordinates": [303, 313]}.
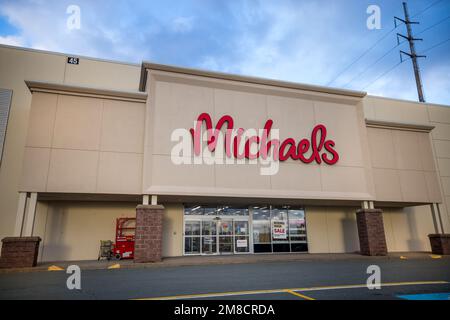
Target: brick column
{"type": "Point", "coordinates": [372, 241]}
{"type": "Point", "coordinates": [148, 239]}
{"type": "Point", "coordinates": [440, 243]}
{"type": "Point", "coordinates": [19, 252]}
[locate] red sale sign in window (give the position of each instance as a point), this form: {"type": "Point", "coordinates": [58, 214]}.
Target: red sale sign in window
{"type": "Point", "coordinates": [279, 229]}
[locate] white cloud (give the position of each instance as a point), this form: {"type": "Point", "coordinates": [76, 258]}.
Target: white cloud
{"type": "Point", "coordinates": [12, 41]}
{"type": "Point", "coordinates": [182, 24]}
{"type": "Point", "coordinates": [437, 84]}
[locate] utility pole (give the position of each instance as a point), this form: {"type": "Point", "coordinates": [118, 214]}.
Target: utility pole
{"type": "Point", "coordinates": [412, 54]}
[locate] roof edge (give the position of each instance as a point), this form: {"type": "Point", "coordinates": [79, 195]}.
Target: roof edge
{"type": "Point", "coordinates": [247, 79]}
{"type": "Point", "coordinates": [39, 86]}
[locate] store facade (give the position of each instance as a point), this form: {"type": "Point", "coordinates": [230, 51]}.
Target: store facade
{"type": "Point", "coordinates": [230, 164]}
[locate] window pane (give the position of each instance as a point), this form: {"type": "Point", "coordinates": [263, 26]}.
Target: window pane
{"type": "Point", "coordinates": [241, 228]}
{"type": "Point", "coordinates": [209, 244]}
{"type": "Point", "coordinates": [192, 244]}
{"type": "Point", "coordinates": [209, 228]}
{"type": "Point", "coordinates": [261, 230]}
{"type": "Point", "coordinates": [192, 228]}
{"type": "Point", "coordinates": [195, 210]}
{"type": "Point", "coordinates": [226, 227]}
{"type": "Point", "coordinates": [241, 244]}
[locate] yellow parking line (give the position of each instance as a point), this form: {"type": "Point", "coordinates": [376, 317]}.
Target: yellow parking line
{"type": "Point", "coordinates": [387, 284]}
{"type": "Point", "coordinates": [215, 294]}
{"type": "Point", "coordinates": [255, 292]}
{"type": "Point", "coordinates": [300, 295]}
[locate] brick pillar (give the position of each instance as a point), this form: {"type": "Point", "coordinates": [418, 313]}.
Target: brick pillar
{"type": "Point", "coordinates": [19, 252]}
{"type": "Point", "coordinates": [148, 239]}
{"type": "Point", "coordinates": [440, 243]}
{"type": "Point", "coordinates": [372, 241]}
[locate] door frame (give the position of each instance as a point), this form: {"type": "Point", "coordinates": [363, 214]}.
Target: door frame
{"type": "Point", "coordinates": [201, 218]}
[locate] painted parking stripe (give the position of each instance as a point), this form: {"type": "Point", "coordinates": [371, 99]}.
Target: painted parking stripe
{"type": "Point", "coordinates": [256, 292]}
{"type": "Point", "coordinates": [426, 296]}
{"type": "Point", "coordinates": [299, 295]}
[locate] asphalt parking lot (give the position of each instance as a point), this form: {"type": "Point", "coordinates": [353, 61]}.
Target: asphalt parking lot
{"type": "Point", "coordinates": [424, 278]}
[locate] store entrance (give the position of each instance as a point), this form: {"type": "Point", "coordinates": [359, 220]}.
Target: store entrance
{"type": "Point", "coordinates": [234, 230]}
{"type": "Point", "coordinates": [212, 231]}
{"type": "Point", "coordinates": [216, 235]}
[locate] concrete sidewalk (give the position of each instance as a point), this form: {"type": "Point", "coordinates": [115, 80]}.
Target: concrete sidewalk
{"type": "Point", "coordinates": [224, 259]}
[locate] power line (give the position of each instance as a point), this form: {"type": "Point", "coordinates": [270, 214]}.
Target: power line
{"type": "Point", "coordinates": [434, 25]}
{"type": "Point", "coordinates": [429, 7]}
{"type": "Point", "coordinates": [392, 49]}
{"type": "Point", "coordinates": [374, 63]}
{"type": "Point", "coordinates": [435, 46]}
{"type": "Point", "coordinates": [399, 63]}
{"type": "Point", "coordinates": [362, 55]}
{"type": "Point", "coordinates": [378, 41]}
{"type": "Point", "coordinates": [385, 73]}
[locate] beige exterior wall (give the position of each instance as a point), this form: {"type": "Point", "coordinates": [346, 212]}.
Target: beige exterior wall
{"type": "Point", "coordinates": [333, 230]}
{"type": "Point", "coordinates": [18, 65]}
{"type": "Point", "coordinates": [62, 142]}
{"type": "Point", "coordinates": [83, 145]}
{"type": "Point", "coordinates": [72, 230]}
{"type": "Point", "coordinates": [179, 99]}
{"type": "Point", "coordinates": [383, 109]}
{"type": "Point", "coordinates": [403, 166]}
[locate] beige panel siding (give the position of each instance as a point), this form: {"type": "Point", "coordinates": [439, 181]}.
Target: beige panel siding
{"type": "Point", "coordinates": [78, 123]}
{"type": "Point", "coordinates": [123, 126]}
{"type": "Point", "coordinates": [42, 120]}
{"type": "Point", "coordinates": [316, 228]}
{"type": "Point", "coordinates": [446, 186]}
{"type": "Point", "coordinates": [80, 129]}
{"type": "Point", "coordinates": [73, 230]}
{"type": "Point", "coordinates": [441, 131]}
{"type": "Point", "coordinates": [442, 148]}
{"type": "Point", "coordinates": [382, 149]}
{"type": "Point", "coordinates": [439, 114]}
{"type": "Point", "coordinates": [387, 184]}
{"type": "Point", "coordinates": [119, 173]}
{"type": "Point", "coordinates": [410, 227]}
{"type": "Point", "coordinates": [73, 171]}
{"type": "Point", "coordinates": [444, 167]}
{"type": "Point", "coordinates": [173, 230]}
{"type": "Point", "coordinates": [403, 166]}
{"type": "Point", "coordinates": [392, 110]}
{"type": "Point", "coordinates": [35, 169]}
{"type": "Point", "coordinates": [18, 65]}
{"type": "Point", "coordinates": [179, 99]}
{"type": "Point", "coordinates": [104, 74]}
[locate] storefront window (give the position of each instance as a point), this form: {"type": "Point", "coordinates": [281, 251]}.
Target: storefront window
{"type": "Point", "coordinates": [280, 229]}
{"type": "Point", "coordinates": [216, 230]}
{"type": "Point", "coordinates": [192, 237]}
{"type": "Point", "coordinates": [261, 230]}
{"type": "Point", "coordinates": [228, 230]}
{"type": "Point", "coordinates": [297, 230]}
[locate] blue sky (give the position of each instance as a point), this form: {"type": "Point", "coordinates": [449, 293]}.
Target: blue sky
{"type": "Point", "coordinates": [301, 41]}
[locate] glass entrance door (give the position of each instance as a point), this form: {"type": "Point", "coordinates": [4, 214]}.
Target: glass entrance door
{"type": "Point", "coordinates": [216, 235]}
{"type": "Point", "coordinates": [225, 231]}
{"type": "Point", "coordinates": [209, 236]}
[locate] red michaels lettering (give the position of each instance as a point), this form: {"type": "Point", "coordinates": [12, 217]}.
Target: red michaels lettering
{"type": "Point", "coordinates": [320, 146]}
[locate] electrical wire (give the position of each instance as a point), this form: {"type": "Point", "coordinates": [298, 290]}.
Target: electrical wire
{"type": "Point", "coordinates": [378, 41]}
{"type": "Point", "coordinates": [429, 7]}
{"type": "Point", "coordinates": [392, 49]}
{"type": "Point", "coordinates": [399, 63]}
{"type": "Point", "coordinates": [362, 55]}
